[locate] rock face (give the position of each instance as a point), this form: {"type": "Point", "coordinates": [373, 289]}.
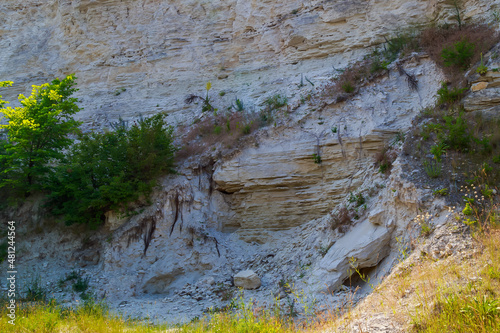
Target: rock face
{"type": "Point", "coordinates": [485, 90]}
{"type": "Point", "coordinates": [152, 53]}
{"type": "Point", "coordinates": [143, 57]}
{"type": "Point", "coordinates": [277, 184]}
{"type": "Point", "coordinates": [247, 280]}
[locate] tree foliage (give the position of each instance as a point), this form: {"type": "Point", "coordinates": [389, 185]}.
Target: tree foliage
{"type": "Point", "coordinates": [37, 132]}
{"type": "Point", "coordinates": [106, 171]}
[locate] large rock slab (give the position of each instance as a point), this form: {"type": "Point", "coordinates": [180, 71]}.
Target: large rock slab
{"type": "Point", "coordinates": [364, 246]}
{"type": "Point", "coordinates": [247, 280]}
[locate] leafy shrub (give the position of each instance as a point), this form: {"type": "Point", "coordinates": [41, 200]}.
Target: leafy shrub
{"type": "Point", "coordinates": [456, 133]}
{"type": "Point", "coordinates": [446, 96]}
{"type": "Point", "coordinates": [459, 55]}
{"type": "Point", "coordinates": [275, 102]}
{"type": "Point", "coordinates": [106, 171]}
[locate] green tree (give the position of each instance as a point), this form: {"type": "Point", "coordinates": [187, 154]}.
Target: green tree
{"type": "Point", "coordinates": [37, 132]}
{"type": "Point", "coordinates": [107, 171]}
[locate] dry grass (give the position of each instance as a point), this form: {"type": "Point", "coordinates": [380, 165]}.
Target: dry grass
{"type": "Point", "coordinates": [445, 295]}
{"type": "Point", "coordinates": [434, 39]}
{"type": "Point", "coordinates": [216, 130]}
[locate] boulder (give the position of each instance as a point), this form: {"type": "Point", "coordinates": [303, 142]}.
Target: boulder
{"type": "Point", "coordinates": [247, 280]}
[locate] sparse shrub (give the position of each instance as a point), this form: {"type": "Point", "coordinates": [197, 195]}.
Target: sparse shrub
{"type": "Point", "coordinates": [342, 219]}
{"type": "Point", "coordinates": [457, 135]}
{"type": "Point", "coordinates": [34, 290]}
{"type": "Point", "coordinates": [207, 133]}
{"type": "Point", "coordinates": [378, 65]}
{"type": "Point", "coordinates": [348, 87]}
{"type": "Point", "coordinates": [247, 128]}
{"type": "Point", "coordinates": [446, 96]}
{"type": "Point", "coordinates": [434, 40]}
{"type": "Point", "coordinates": [358, 199]}
{"type": "Point", "coordinates": [81, 284]}
{"type": "Point", "coordinates": [459, 55]}
{"type": "Point", "coordinates": [384, 159]}
{"type": "Point", "coordinates": [276, 101]}
{"type": "Point", "coordinates": [405, 41]}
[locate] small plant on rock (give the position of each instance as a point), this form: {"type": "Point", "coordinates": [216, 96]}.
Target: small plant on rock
{"type": "Point", "coordinates": [432, 168]}
{"type": "Point", "coordinates": [316, 158]}
{"type": "Point", "coordinates": [482, 69]}
{"type": "Point", "coordinates": [438, 150]}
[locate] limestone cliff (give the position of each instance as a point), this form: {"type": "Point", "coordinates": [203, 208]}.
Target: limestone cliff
{"type": "Point", "coordinates": [144, 56]}
{"type": "Point", "coordinates": [267, 206]}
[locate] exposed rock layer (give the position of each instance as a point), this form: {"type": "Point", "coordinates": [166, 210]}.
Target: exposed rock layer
{"type": "Point", "coordinates": [135, 57]}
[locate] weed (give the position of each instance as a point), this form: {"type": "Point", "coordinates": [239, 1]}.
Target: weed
{"type": "Point", "coordinates": [459, 55]}
{"type": "Point", "coordinates": [441, 192]}
{"type": "Point", "coordinates": [238, 105]}
{"type": "Point", "coordinates": [316, 158]}
{"type": "Point", "coordinates": [432, 168]}
{"type": "Point", "coordinates": [81, 284]}
{"type": "Point", "coordinates": [275, 102]}
{"type": "Point", "coordinates": [348, 87]}
{"type": "Point", "coordinates": [359, 199]}
{"type": "Point", "coordinates": [482, 69]}
{"type": "Point", "coordinates": [438, 150]}
{"type": "Point", "coordinates": [446, 96]}
{"type": "Point", "coordinates": [34, 290]}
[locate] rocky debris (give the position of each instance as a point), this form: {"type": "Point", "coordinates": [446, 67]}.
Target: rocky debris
{"type": "Point", "coordinates": [448, 239]}
{"type": "Point", "coordinates": [247, 279]}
